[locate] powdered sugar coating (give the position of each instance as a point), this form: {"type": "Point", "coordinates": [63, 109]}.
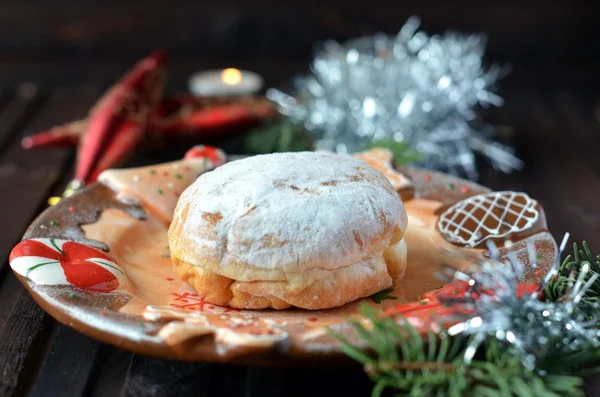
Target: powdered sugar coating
{"type": "Point", "coordinates": [288, 211]}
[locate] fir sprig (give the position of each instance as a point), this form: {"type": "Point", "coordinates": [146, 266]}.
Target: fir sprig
{"type": "Point", "coordinates": [433, 364]}
{"type": "Point", "coordinates": [558, 286]}
{"type": "Point", "coordinates": [278, 136]}
{"type": "Point", "coordinates": [286, 135]}
{"type": "Point", "coordinates": [402, 152]}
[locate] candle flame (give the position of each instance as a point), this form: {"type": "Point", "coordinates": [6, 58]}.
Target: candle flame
{"type": "Point", "coordinates": [231, 76]}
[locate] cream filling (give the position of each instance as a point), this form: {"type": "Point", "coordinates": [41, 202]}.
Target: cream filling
{"type": "Point", "coordinates": [394, 256]}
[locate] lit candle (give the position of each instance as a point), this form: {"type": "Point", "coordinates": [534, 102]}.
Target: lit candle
{"type": "Point", "coordinates": [226, 82]}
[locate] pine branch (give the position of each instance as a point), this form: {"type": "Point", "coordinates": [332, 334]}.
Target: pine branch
{"type": "Point", "coordinates": [278, 136]}
{"type": "Point", "coordinates": [416, 364]}
{"type": "Point", "coordinates": [559, 285]}
{"type": "Point", "coordinates": [402, 152]}
{"type": "Point", "coordinates": [286, 135]}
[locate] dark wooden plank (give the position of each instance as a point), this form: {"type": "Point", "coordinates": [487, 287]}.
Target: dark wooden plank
{"type": "Point", "coordinates": [67, 366]}
{"type": "Point", "coordinates": [151, 377]}
{"type": "Point", "coordinates": [15, 113]}
{"type": "Point", "coordinates": [10, 291]}
{"type": "Point", "coordinates": [20, 340]}
{"type": "Point", "coordinates": [263, 381]}
{"type": "Point", "coordinates": [229, 380]}
{"type": "Point", "coordinates": [327, 381]}
{"type": "Point", "coordinates": [109, 373]}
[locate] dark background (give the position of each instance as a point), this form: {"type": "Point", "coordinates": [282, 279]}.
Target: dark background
{"type": "Point", "coordinates": [549, 42]}
{"type": "Point", "coordinates": [56, 58]}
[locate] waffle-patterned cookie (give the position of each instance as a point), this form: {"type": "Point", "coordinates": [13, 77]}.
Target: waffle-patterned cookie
{"type": "Point", "coordinates": [496, 215]}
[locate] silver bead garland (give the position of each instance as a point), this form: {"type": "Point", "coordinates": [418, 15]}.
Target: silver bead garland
{"type": "Point", "coordinates": [413, 88]}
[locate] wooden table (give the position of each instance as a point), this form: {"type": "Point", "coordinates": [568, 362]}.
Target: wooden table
{"type": "Point", "coordinates": [557, 133]}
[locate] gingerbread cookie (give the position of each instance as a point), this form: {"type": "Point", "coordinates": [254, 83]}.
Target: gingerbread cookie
{"type": "Point", "coordinates": [158, 187]}
{"type": "Point", "coordinates": [381, 160]}
{"type": "Point", "coordinates": [492, 216]}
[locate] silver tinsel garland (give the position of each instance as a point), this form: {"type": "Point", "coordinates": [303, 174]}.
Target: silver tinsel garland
{"type": "Point", "coordinates": [413, 88]}
{"type": "Point", "coordinates": [533, 328]}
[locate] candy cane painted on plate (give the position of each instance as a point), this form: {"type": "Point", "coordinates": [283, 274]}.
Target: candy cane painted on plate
{"type": "Point", "coordinates": [59, 262]}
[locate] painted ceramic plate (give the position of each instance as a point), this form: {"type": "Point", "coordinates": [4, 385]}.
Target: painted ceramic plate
{"type": "Point", "coordinates": [99, 262]}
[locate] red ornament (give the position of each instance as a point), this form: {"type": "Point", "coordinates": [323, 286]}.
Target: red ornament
{"type": "Point", "coordinates": [118, 120]}
{"type": "Point", "coordinates": [201, 151]}
{"type": "Point", "coordinates": [181, 115]}
{"type": "Point", "coordinates": [62, 135]}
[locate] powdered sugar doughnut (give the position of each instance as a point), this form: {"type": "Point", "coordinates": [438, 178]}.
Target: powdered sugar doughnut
{"type": "Point", "coordinates": [313, 230]}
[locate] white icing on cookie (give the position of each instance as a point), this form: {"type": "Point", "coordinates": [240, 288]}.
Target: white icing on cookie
{"type": "Point", "coordinates": [484, 216]}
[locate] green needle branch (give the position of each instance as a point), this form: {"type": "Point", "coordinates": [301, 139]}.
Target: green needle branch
{"type": "Point", "coordinates": [411, 363]}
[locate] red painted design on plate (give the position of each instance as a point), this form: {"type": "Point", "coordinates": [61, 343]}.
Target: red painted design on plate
{"type": "Point", "coordinates": [74, 258]}
{"type": "Point", "coordinates": [430, 308]}
{"type": "Point", "coordinates": [193, 302]}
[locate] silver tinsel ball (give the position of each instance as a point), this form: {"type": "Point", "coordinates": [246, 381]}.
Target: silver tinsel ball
{"type": "Point", "coordinates": [413, 88]}
{"type": "Point", "coordinates": [533, 328]}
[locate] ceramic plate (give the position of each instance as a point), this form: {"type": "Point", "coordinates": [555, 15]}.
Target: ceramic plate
{"type": "Point", "coordinates": [99, 262]}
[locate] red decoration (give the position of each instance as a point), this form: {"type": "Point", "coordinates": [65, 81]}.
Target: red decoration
{"type": "Point", "coordinates": [430, 307]}
{"type": "Point", "coordinates": [119, 118]}
{"type": "Point", "coordinates": [64, 135]}
{"type": "Point", "coordinates": [74, 259]}
{"type": "Point", "coordinates": [208, 117]}
{"type": "Point", "coordinates": [213, 154]}
{"type": "Point", "coordinates": [181, 115]}
{"type": "Point", "coordinates": [194, 302]}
